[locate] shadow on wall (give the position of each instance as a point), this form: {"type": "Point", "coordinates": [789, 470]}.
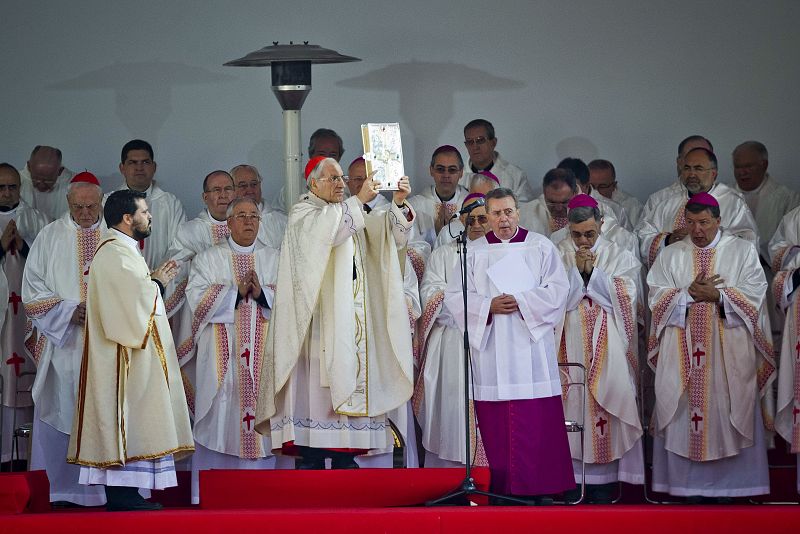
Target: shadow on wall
{"type": "Point", "coordinates": [142, 91]}
{"type": "Point", "coordinates": [426, 94]}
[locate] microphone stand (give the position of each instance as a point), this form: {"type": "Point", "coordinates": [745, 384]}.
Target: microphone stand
{"type": "Point", "coordinates": [459, 496]}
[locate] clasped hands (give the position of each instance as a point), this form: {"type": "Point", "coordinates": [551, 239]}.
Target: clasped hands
{"type": "Point", "coordinates": [705, 289]}
{"type": "Point", "coordinates": [250, 285]}
{"type": "Point", "coordinates": [503, 304]}
{"type": "Point", "coordinates": [584, 260]}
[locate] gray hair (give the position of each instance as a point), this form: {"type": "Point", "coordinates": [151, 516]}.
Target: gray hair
{"type": "Point", "coordinates": [584, 213]}
{"type": "Point", "coordinates": [235, 202]}
{"type": "Point", "coordinates": [756, 146]}
{"type": "Point", "coordinates": [71, 188]}
{"type": "Point", "coordinates": [480, 179]}
{"type": "Point", "coordinates": [244, 166]}
{"type": "Point", "coordinates": [501, 192]}
{"type": "Point", "coordinates": [317, 171]}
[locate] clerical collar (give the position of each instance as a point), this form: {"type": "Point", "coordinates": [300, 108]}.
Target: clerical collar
{"type": "Point", "coordinates": [147, 192]}
{"type": "Point", "coordinates": [518, 237]}
{"type": "Point", "coordinates": [444, 200]}
{"type": "Point", "coordinates": [6, 209]}
{"type": "Point", "coordinates": [128, 240]}
{"type": "Point", "coordinates": [476, 169]}
{"type": "Point", "coordinates": [239, 249]}
{"type": "Point", "coordinates": [213, 220]}
{"type": "Point", "coordinates": [714, 242]}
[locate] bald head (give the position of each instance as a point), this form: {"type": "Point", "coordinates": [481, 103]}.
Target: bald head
{"type": "Point", "coordinates": [44, 166]}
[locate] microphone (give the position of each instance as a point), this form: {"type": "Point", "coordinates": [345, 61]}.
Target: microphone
{"type": "Point", "coordinates": [472, 205]}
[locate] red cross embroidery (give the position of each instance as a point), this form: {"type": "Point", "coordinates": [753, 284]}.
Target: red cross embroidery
{"type": "Point", "coordinates": [797, 349]}
{"type": "Point", "coordinates": [248, 419]}
{"type": "Point", "coordinates": [601, 424]}
{"type": "Point", "coordinates": [697, 354]}
{"type": "Point", "coordinates": [14, 300]}
{"type": "Point", "coordinates": [86, 272]}
{"type": "Point", "coordinates": [246, 356]}
{"type": "Point", "coordinates": [16, 361]}
{"type": "Point", "coordinates": [696, 418]}
{"type": "Point", "coordinates": [795, 411]}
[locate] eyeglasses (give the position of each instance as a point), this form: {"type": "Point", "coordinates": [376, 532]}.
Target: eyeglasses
{"type": "Point", "coordinates": [696, 168]}
{"type": "Point", "coordinates": [557, 204]}
{"type": "Point", "coordinates": [248, 185]}
{"type": "Point", "coordinates": [508, 212]}
{"type": "Point", "coordinates": [218, 190]}
{"type": "Point", "coordinates": [475, 141]}
{"type": "Point", "coordinates": [80, 207]}
{"type": "Point", "coordinates": [482, 219]}
{"type": "Point", "coordinates": [604, 187]}
{"type": "Point", "coordinates": [441, 169]}
{"type": "Point", "coordinates": [244, 217]}
{"type": "Point", "coordinates": [333, 179]}
{"type": "Point", "coordinates": [591, 234]}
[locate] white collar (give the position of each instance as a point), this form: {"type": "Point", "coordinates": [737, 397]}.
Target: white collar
{"type": "Point", "coordinates": [713, 243]}
{"type": "Point", "coordinates": [510, 238]}
{"type": "Point", "coordinates": [128, 240]}
{"type": "Point", "coordinates": [239, 249]}
{"type": "Point", "coordinates": [214, 221]}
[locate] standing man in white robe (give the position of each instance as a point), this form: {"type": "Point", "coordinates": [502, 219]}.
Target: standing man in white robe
{"type": "Point", "coordinates": [784, 251]}
{"type": "Point", "coordinates": [247, 181]}
{"type": "Point", "coordinates": [481, 142]}
{"type": "Point", "coordinates": [666, 225]}
{"type": "Point", "coordinates": [436, 205]}
{"type": "Point", "coordinates": [517, 290]}
{"type": "Point", "coordinates": [231, 292]}
{"type": "Point", "coordinates": [19, 226]}
{"type": "Point", "coordinates": [603, 177]}
{"type": "Point", "coordinates": [45, 181]}
{"type": "Point", "coordinates": [339, 351]}
{"type": "Point", "coordinates": [138, 167]}
{"type": "Point", "coordinates": [712, 354]}
{"type": "Point", "coordinates": [600, 332]}
{"type": "Point", "coordinates": [54, 293]}
{"type": "Point", "coordinates": [131, 419]}
{"type": "Point", "coordinates": [439, 392]}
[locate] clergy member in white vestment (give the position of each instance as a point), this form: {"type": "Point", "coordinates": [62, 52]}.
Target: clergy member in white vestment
{"type": "Point", "coordinates": [600, 332]}
{"type": "Point", "coordinates": [479, 182]}
{"type": "Point", "coordinates": [666, 224]}
{"type": "Point", "coordinates": [784, 251]}
{"type": "Point", "coordinates": [230, 292]}
{"type": "Point", "coordinates": [656, 198]}
{"type": "Point", "coordinates": [548, 212]}
{"type": "Point", "coordinates": [607, 206]}
{"type": "Point", "coordinates": [45, 181]}
{"type": "Point", "coordinates": [517, 290]}
{"type": "Point", "coordinates": [438, 203]}
{"type": "Point", "coordinates": [131, 421]}
{"type": "Point", "coordinates": [439, 391]}
{"type": "Point", "coordinates": [138, 168]}
{"type": "Point", "coordinates": [339, 351]}
{"type": "Point", "coordinates": [603, 177]}
{"type": "Point", "coordinates": [247, 181]}
{"type": "Point", "coordinates": [19, 226]}
{"type": "Point", "coordinates": [54, 293]}
{"type": "Point", "coordinates": [481, 142]}
{"type": "Point", "coordinates": [712, 353]}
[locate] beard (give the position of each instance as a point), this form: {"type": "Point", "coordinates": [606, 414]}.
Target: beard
{"type": "Point", "coordinates": [139, 234]}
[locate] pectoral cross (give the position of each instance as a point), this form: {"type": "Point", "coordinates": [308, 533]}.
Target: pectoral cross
{"type": "Point", "coordinates": [697, 355]}
{"type": "Point", "coordinates": [16, 361]}
{"type": "Point", "coordinates": [247, 419]}
{"type": "Point", "coordinates": [601, 424]}
{"type": "Point", "coordinates": [246, 356]}
{"type": "Point", "coordinates": [696, 418]}
{"type": "Point", "coordinates": [14, 300]}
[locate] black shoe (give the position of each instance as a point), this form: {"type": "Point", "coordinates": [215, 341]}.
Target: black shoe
{"type": "Point", "coordinates": [343, 460]}
{"type": "Point", "coordinates": [125, 499]}
{"type": "Point", "coordinates": [543, 500]}
{"type": "Point", "coordinates": [599, 494]}
{"type": "Point", "coordinates": [311, 463]}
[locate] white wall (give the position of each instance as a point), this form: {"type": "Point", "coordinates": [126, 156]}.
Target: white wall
{"type": "Point", "coordinates": [623, 80]}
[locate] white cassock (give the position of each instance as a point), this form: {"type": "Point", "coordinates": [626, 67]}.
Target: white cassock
{"type": "Point", "coordinates": [714, 368]}
{"type": "Point", "coordinates": [613, 207]}
{"type": "Point", "coordinates": [535, 216]}
{"type": "Point", "coordinates": [168, 215]}
{"type": "Point", "coordinates": [272, 227]}
{"type": "Point", "coordinates": [509, 175]}
{"type": "Point", "coordinates": [15, 359]}
{"type": "Point", "coordinates": [439, 391]}
{"type": "Point", "coordinates": [669, 215]}
{"type": "Point", "coordinates": [53, 203]}
{"type": "Point", "coordinates": [600, 331]}
{"type": "Point", "coordinates": [339, 348]}
{"type": "Point", "coordinates": [785, 254]}
{"type": "Point", "coordinates": [633, 206]}
{"type": "Point", "coordinates": [53, 285]}
{"type": "Point", "coordinates": [402, 418]}
{"type": "Point", "coordinates": [230, 348]}
{"type": "Point", "coordinates": [428, 205]}
{"type": "Point", "coordinates": [655, 199]}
